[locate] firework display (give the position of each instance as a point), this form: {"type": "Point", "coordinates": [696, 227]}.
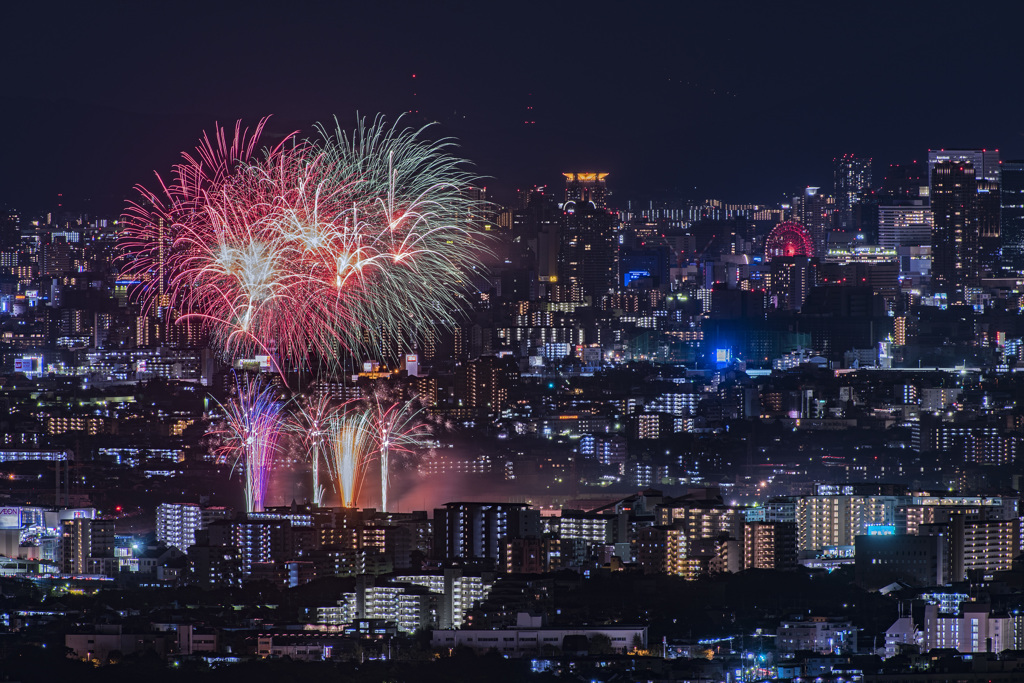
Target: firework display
{"type": "Point", "coordinates": [252, 428]}
{"type": "Point", "coordinates": [350, 447]}
{"type": "Point", "coordinates": [396, 426]}
{"type": "Point", "coordinates": [311, 247]}
{"type": "Point", "coordinates": [321, 247]}
{"type": "Point", "coordinates": [311, 419]}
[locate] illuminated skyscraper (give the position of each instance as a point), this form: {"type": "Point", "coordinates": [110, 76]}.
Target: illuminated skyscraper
{"type": "Point", "coordinates": [536, 224]}
{"type": "Point", "coordinates": [904, 223]}
{"type": "Point", "coordinates": [588, 253]}
{"type": "Point", "coordinates": [984, 161]}
{"type": "Point", "coordinates": [588, 244]}
{"type": "Point", "coordinates": [164, 247]}
{"type": "Point", "coordinates": [814, 209]}
{"type": "Point", "coordinates": [10, 228]}
{"type": "Point", "coordinates": [988, 223]}
{"type": "Point", "coordinates": [988, 178]}
{"type": "Point", "coordinates": [1012, 215]}
{"type": "Point", "coordinates": [586, 187]}
{"type": "Point", "coordinates": [792, 278]}
{"type": "Point", "coordinates": [852, 189]}
{"type": "Point", "coordinates": [955, 228]}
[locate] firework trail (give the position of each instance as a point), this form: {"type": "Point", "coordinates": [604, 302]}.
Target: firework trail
{"type": "Point", "coordinates": [350, 435]}
{"type": "Point", "coordinates": [350, 446]}
{"type": "Point", "coordinates": [252, 427]}
{"type": "Point", "coordinates": [397, 426]}
{"type": "Point", "coordinates": [311, 420]}
{"type": "Point", "coordinates": [315, 246]}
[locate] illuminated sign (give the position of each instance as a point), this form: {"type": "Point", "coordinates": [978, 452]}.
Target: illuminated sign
{"type": "Point", "coordinates": [10, 517]}
{"type": "Point", "coordinates": [260, 363]}
{"type": "Point", "coordinates": [634, 275]}
{"type": "Point", "coordinates": [586, 177]}
{"type": "Point", "coordinates": [30, 365]}
{"type": "Point", "coordinates": [723, 355]}
{"type": "Point", "coordinates": [881, 530]}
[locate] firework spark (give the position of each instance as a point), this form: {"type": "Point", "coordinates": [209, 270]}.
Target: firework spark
{"type": "Point", "coordinates": [311, 419]}
{"type": "Point", "coordinates": [350, 447]}
{"type": "Point", "coordinates": [252, 427]}
{"type": "Point", "coordinates": [398, 426]}
{"type": "Point", "coordinates": [319, 245]}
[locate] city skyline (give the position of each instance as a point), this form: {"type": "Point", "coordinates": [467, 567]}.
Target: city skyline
{"type": "Point", "coordinates": [687, 343]}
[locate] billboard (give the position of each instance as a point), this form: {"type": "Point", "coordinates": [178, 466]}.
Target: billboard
{"type": "Point", "coordinates": [10, 517]}
{"type": "Point", "coordinates": [30, 365]}
{"type": "Point", "coordinates": [627, 278]}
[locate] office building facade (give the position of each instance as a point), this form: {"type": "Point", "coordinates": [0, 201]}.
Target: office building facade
{"type": "Point", "coordinates": [955, 229]}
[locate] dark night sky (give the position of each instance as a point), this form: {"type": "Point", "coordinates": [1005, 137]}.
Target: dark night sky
{"type": "Point", "coordinates": [746, 101]}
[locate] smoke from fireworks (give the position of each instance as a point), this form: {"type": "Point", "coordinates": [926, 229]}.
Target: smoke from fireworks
{"type": "Point", "coordinates": [250, 434]}
{"type": "Point", "coordinates": [318, 245]}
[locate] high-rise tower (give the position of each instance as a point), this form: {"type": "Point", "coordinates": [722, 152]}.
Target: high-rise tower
{"type": "Point", "coordinates": [814, 210]}
{"type": "Point", "coordinates": [1012, 215]}
{"type": "Point", "coordinates": [588, 244]}
{"type": "Point", "coordinates": [10, 228]}
{"type": "Point", "coordinates": [904, 223]}
{"type": "Point", "coordinates": [852, 189]}
{"type": "Point", "coordinates": [985, 161]}
{"type": "Point", "coordinates": [536, 224]}
{"type": "Point", "coordinates": [988, 177]}
{"type": "Point", "coordinates": [586, 187]}
{"type": "Point", "coordinates": [588, 250]}
{"type": "Point", "coordinates": [955, 228]}
{"type": "Point", "coordinates": [988, 223]}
